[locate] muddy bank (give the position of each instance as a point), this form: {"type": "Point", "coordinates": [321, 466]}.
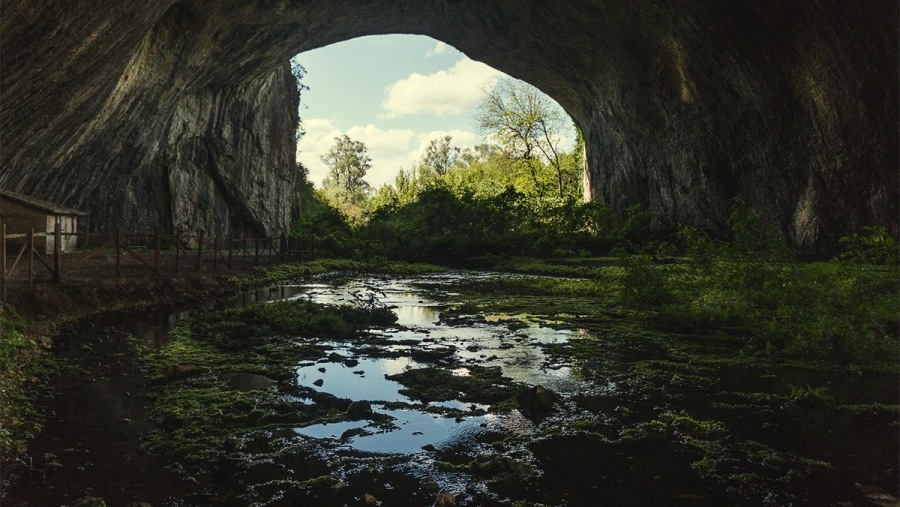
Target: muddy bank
{"type": "Point", "coordinates": [45, 307]}
{"type": "Point", "coordinates": [41, 386]}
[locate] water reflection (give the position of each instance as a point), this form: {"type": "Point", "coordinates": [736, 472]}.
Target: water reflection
{"type": "Point", "coordinates": [357, 379]}
{"type": "Point", "coordinates": [410, 431]}
{"type": "Point", "coordinates": [511, 342]}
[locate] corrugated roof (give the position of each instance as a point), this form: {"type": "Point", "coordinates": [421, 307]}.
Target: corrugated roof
{"type": "Point", "coordinates": [40, 204]}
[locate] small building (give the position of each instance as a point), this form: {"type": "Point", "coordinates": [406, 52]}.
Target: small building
{"type": "Point", "coordinates": [22, 214]}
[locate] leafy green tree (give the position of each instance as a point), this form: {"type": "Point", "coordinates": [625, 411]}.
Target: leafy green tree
{"type": "Point", "coordinates": [526, 123]}
{"type": "Point", "coordinates": [304, 194]}
{"type": "Point", "coordinates": [441, 155]}
{"type": "Point", "coordinates": [312, 215]}
{"type": "Point", "coordinates": [348, 162]}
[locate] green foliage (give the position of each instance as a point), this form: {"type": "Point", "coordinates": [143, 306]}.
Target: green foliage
{"type": "Point", "coordinates": [644, 282]}
{"type": "Point", "coordinates": [440, 156]}
{"type": "Point", "coordinates": [348, 162]}
{"type": "Point", "coordinates": [527, 124]}
{"type": "Point", "coordinates": [238, 328]}
{"type": "Point", "coordinates": [481, 385]}
{"type": "Point", "coordinates": [489, 203]}
{"type": "Point", "coordinates": [316, 217]}
{"type": "Point", "coordinates": [643, 231]}
{"type": "Point", "coordinates": [12, 338]}
{"type": "Point", "coordinates": [874, 246]}
{"type": "Point", "coordinates": [811, 397]}
{"type": "Point", "coordinates": [751, 286]}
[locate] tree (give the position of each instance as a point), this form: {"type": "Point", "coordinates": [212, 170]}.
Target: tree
{"type": "Point", "coordinates": [440, 155]}
{"type": "Point", "coordinates": [525, 122]}
{"type": "Point", "coordinates": [299, 72]}
{"type": "Point", "coordinates": [348, 162]}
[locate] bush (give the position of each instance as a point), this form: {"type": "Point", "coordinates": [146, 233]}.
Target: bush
{"type": "Point", "coordinates": [12, 338]}
{"type": "Point", "coordinates": [821, 311]}
{"type": "Point", "coordinates": [874, 246]}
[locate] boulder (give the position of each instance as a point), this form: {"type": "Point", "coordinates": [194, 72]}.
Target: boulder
{"type": "Point", "coordinates": [537, 400]}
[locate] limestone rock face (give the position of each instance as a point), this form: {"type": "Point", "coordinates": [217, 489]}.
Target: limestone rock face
{"type": "Point", "coordinates": [181, 113]}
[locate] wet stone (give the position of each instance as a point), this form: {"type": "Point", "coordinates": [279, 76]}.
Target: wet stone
{"type": "Point", "coordinates": [537, 400]}
{"type": "Point", "coordinates": [445, 499]}
{"type": "Point", "coordinates": [359, 410]}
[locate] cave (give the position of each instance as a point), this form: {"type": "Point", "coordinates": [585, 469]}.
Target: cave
{"type": "Point", "coordinates": [182, 113]}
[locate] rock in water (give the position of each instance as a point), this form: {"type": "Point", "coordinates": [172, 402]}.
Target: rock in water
{"type": "Point", "coordinates": [537, 400]}
{"type": "Point", "coordinates": [445, 499]}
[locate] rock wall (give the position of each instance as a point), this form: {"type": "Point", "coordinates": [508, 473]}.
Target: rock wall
{"type": "Point", "coordinates": [169, 129]}
{"type": "Point", "coordinates": [182, 112]}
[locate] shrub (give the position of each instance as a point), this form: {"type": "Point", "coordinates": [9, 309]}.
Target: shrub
{"type": "Point", "coordinates": [12, 339]}
{"type": "Point", "coordinates": [874, 246]}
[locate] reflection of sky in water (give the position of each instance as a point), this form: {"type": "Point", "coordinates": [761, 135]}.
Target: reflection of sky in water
{"type": "Point", "coordinates": [489, 342]}
{"type": "Point", "coordinates": [341, 381]}
{"type": "Point", "coordinates": [413, 430]}
{"type": "Point", "coordinates": [485, 342]}
{"type": "Point", "coordinates": [417, 315]}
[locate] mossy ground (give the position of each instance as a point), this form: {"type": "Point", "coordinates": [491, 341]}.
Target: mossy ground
{"type": "Point", "coordinates": [708, 400]}
{"type": "Point", "coordinates": [200, 416]}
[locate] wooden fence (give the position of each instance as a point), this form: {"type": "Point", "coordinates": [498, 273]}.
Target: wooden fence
{"type": "Point", "coordinates": [117, 254]}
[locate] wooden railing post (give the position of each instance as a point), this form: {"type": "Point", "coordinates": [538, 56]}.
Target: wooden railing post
{"type": "Point", "coordinates": [30, 247]}
{"type": "Point", "coordinates": [200, 251]}
{"type": "Point", "coordinates": [156, 247]}
{"type": "Point", "coordinates": [57, 252]}
{"type": "Point", "coordinates": [118, 237]}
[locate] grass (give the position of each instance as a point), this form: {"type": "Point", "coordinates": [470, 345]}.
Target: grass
{"type": "Point", "coordinates": [836, 314]}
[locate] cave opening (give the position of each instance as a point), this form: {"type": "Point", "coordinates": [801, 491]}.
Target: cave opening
{"type": "Point", "coordinates": [395, 93]}
{"type": "Point", "coordinates": [393, 124]}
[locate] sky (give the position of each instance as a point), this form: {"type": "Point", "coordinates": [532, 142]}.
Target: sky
{"type": "Point", "coordinates": [395, 93]}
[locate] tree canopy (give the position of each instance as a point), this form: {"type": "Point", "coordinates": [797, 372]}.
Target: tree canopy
{"type": "Point", "coordinates": [348, 162]}
{"type": "Point", "coordinates": [527, 124]}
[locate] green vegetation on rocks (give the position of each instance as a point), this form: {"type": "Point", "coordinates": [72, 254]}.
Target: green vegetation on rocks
{"type": "Point", "coordinates": [201, 406]}
{"type": "Point", "coordinates": [476, 384]}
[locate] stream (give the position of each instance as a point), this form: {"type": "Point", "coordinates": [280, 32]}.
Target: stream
{"type": "Point", "coordinates": [616, 420]}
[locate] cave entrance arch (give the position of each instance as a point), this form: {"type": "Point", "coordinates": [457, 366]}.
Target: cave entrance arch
{"type": "Point", "coordinates": [397, 93]}
{"type": "Point", "coordinates": [791, 107]}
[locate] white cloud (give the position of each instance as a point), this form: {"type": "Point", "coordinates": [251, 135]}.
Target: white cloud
{"type": "Point", "coordinates": [445, 92]}
{"type": "Point", "coordinates": [438, 49]}
{"type": "Point", "coordinates": [389, 149]}
{"type": "Point", "coordinates": [320, 134]}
